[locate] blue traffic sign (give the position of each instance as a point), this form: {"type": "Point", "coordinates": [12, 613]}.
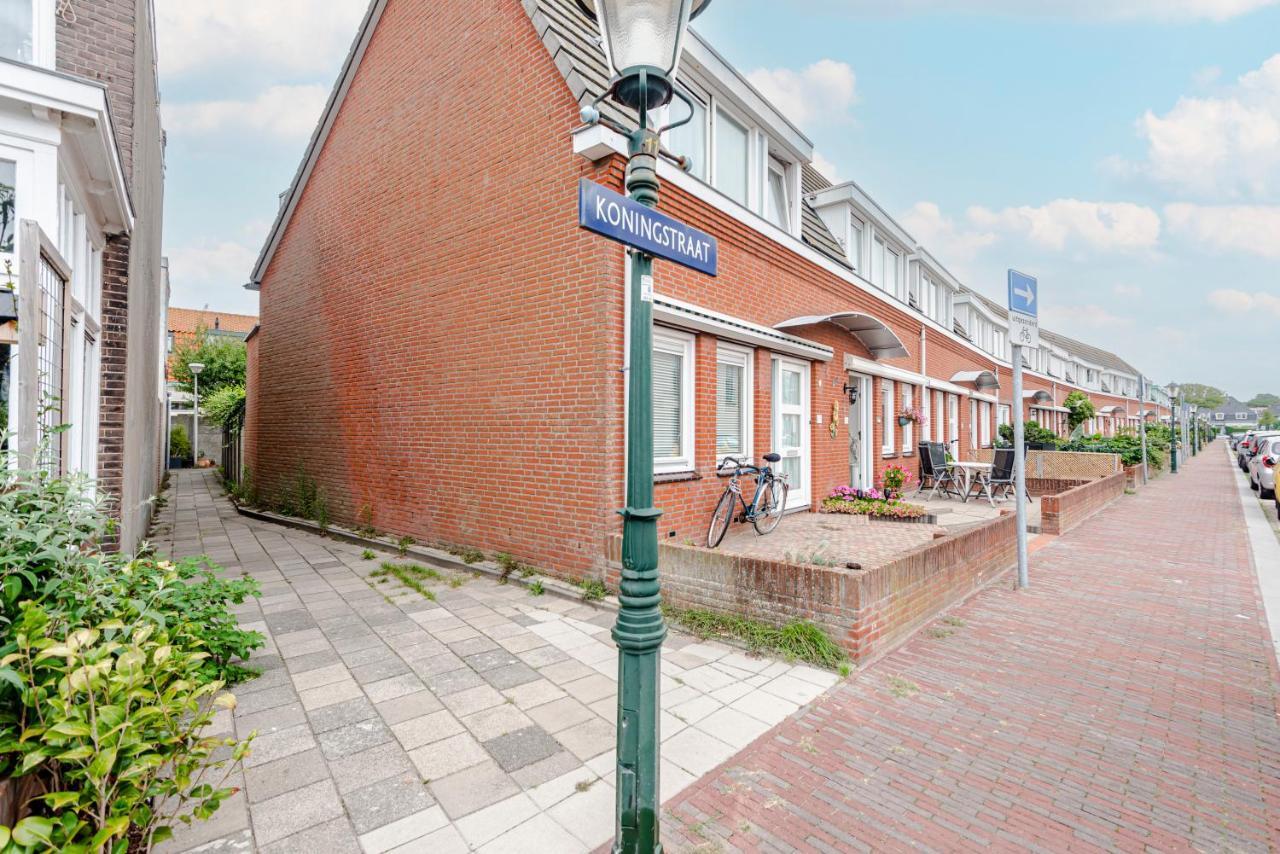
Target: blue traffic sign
{"type": "Point", "coordinates": [627, 221]}
{"type": "Point", "coordinates": [1023, 291]}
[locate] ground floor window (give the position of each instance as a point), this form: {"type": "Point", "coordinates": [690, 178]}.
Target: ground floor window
{"type": "Point", "coordinates": [953, 421]}
{"type": "Point", "coordinates": [672, 401]}
{"type": "Point", "coordinates": [1004, 412]}
{"type": "Point", "coordinates": [908, 429]}
{"type": "Point", "coordinates": [733, 401]}
{"type": "Point", "coordinates": [939, 422]}
{"type": "Point", "coordinates": [984, 416]}
{"type": "Point", "coordinates": [973, 424]}
{"type": "Point", "coordinates": [886, 417]}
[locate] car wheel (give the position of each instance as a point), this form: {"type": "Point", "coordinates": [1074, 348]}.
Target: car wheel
{"type": "Point", "coordinates": [1266, 493]}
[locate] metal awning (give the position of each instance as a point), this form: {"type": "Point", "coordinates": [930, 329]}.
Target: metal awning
{"type": "Point", "coordinates": [881, 341]}
{"type": "Point", "coordinates": [1038, 396]}
{"type": "Point", "coordinates": [1113, 410]}
{"type": "Point", "coordinates": [978, 379]}
{"type": "Point", "coordinates": [689, 316]}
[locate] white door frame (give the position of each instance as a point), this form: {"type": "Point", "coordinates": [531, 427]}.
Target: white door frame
{"type": "Point", "coordinates": [862, 412]}
{"type": "Point", "coordinates": [800, 494]}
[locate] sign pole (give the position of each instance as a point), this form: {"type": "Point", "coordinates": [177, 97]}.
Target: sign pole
{"type": "Point", "coordinates": [1142, 423]}
{"type": "Point", "coordinates": [1020, 468]}
{"type": "Point", "coordinates": [1024, 330]}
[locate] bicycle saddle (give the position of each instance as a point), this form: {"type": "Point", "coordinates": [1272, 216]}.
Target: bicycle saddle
{"type": "Point", "coordinates": [772, 458]}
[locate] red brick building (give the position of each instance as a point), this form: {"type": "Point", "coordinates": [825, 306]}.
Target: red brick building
{"type": "Point", "coordinates": [442, 348]}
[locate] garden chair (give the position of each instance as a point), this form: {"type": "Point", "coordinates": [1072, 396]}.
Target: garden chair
{"type": "Point", "coordinates": [943, 477]}
{"type": "Point", "coordinates": [999, 479]}
{"type": "Point", "coordinates": [926, 468]}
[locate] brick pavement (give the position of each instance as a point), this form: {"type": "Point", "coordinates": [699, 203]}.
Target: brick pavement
{"type": "Point", "coordinates": [483, 720]}
{"type": "Point", "coordinates": [1126, 701]}
{"type": "Point", "coordinates": [829, 539]}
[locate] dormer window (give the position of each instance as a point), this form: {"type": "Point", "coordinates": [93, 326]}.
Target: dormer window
{"type": "Point", "coordinates": [18, 29]}
{"type": "Point", "coordinates": [690, 139]}
{"type": "Point", "coordinates": [778, 202]}
{"type": "Point", "coordinates": [730, 169]}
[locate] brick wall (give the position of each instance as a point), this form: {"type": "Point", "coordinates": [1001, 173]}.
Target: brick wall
{"type": "Point", "coordinates": [98, 43]}
{"type": "Point", "coordinates": [866, 611]}
{"type": "Point", "coordinates": [1062, 512]}
{"type": "Point", "coordinates": [114, 354]}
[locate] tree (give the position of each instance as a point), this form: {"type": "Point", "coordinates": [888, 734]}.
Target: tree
{"type": "Point", "coordinates": [1203, 396]}
{"type": "Point", "coordinates": [1265, 400]}
{"type": "Point", "coordinates": [1268, 420]}
{"type": "Point", "coordinates": [224, 360]}
{"type": "Point", "coordinates": [1080, 409]}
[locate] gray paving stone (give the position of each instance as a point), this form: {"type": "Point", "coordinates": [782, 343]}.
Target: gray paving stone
{"type": "Point", "coordinates": [541, 656]}
{"type": "Point", "coordinates": [287, 622]}
{"type": "Point", "coordinates": [510, 676]}
{"type": "Point", "coordinates": [447, 756]}
{"type": "Point", "coordinates": [292, 812]}
{"type": "Point", "coordinates": [369, 654]}
{"type": "Point", "coordinates": [472, 646]}
{"type": "Point", "coordinates": [275, 778]}
{"type": "Point", "coordinates": [270, 720]}
{"type": "Point", "coordinates": [279, 744]}
{"type": "Point", "coordinates": [354, 738]}
{"type": "Point", "coordinates": [470, 789]}
{"type": "Point", "coordinates": [522, 747]}
{"type": "Point", "coordinates": [386, 801]}
{"type": "Point", "coordinates": [444, 684]}
{"type": "Point", "coordinates": [341, 714]}
{"type": "Point", "coordinates": [369, 766]}
{"type": "Point", "coordinates": [376, 671]}
{"type": "Point", "coordinates": [491, 659]}
{"type": "Point", "coordinates": [313, 660]}
{"type": "Point", "coordinates": [545, 770]}
{"type": "Point", "coordinates": [269, 699]}
{"type": "Point", "coordinates": [409, 706]}
{"type": "Point", "coordinates": [331, 837]}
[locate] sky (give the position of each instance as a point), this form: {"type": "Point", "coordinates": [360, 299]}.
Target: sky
{"type": "Point", "coordinates": [1125, 152]}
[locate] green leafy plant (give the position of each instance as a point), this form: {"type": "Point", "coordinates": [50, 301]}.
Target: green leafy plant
{"type": "Point", "coordinates": [179, 442]}
{"type": "Point", "coordinates": [364, 525]}
{"type": "Point", "coordinates": [469, 555]}
{"type": "Point", "coordinates": [223, 403]}
{"type": "Point", "coordinates": [402, 545]}
{"type": "Point", "coordinates": [304, 499]}
{"type": "Point", "coordinates": [224, 359]}
{"type": "Point", "coordinates": [1031, 432]}
{"type": "Point", "coordinates": [593, 589]}
{"type": "Point", "coordinates": [798, 639]}
{"type": "Point", "coordinates": [1079, 409]}
{"type": "Point", "coordinates": [411, 575]}
{"type": "Point", "coordinates": [111, 717]}
{"type": "Point", "coordinates": [367, 554]}
{"type": "Point", "coordinates": [536, 589]}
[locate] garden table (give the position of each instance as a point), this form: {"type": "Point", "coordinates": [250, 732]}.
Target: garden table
{"type": "Point", "coordinates": [968, 470]}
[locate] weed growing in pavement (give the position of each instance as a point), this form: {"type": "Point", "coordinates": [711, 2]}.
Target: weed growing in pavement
{"type": "Point", "coordinates": [456, 581]}
{"type": "Point", "coordinates": [411, 575]}
{"type": "Point", "coordinates": [535, 589]}
{"type": "Point", "coordinates": [402, 545]}
{"type": "Point", "coordinates": [845, 669]}
{"type": "Point", "coordinates": [814, 557]}
{"type": "Point", "coordinates": [367, 554]}
{"type": "Point", "coordinates": [584, 785]}
{"type": "Point", "coordinates": [365, 518]}
{"type": "Point", "coordinates": [806, 744]}
{"type": "Point", "coordinates": [798, 639]}
{"type": "Point", "coordinates": [902, 688]}
{"type": "Point", "coordinates": [467, 555]}
{"type": "Point", "coordinates": [939, 632]}
{"type": "Point", "coordinates": [508, 564]}
{"type": "Point", "coordinates": [593, 589]}
{"type": "Point", "coordinates": [1130, 491]}
{"type": "Point", "coordinates": [953, 621]}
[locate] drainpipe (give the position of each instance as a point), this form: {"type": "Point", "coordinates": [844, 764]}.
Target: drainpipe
{"type": "Point", "coordinates": [923, 360]}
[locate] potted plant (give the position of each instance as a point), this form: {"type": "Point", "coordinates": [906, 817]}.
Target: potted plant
{"type": "Point", "coordinates": [894, 479]}
{"type": "Point", "coordinates": [912, 415]}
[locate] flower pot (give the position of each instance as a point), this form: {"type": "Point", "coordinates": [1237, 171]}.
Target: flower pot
{"type": "Point", "coordinates": [903, 422]}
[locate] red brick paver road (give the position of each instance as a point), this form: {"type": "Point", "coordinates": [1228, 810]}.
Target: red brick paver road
{"type": "Point", "coordinates": [1125, 701]}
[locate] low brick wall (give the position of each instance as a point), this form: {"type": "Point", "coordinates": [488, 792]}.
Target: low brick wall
{"type": "Point", "coordinates": [1062, 512]}
{"type": "Point", "coordinates": [1041, 486]}
{"type": "Point", "coordinates": [867, 611]}
{"type": "Point", "coordinates": [1063, 465]}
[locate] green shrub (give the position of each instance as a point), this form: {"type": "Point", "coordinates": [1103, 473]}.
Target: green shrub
{"type": "Point", "coordinates": [1031, 432]}
{"type": "Point", "coordinates": [304, 499]}
{"type": "Point", "coordinates": [179, 442]}
{"type": "Point", "coordinates": [224, 403]}
{"type": "Point", "coordinates": [593, 589]}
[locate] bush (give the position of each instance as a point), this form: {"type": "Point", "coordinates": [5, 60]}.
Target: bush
{"type": "Point", "coordinates": [1031, 432]}
{"type": "Point", "coordinates": [110, 665]}
{"type": "Point", "coordinates": [179, 443]}
{"type": "Point", "coordinates": [224, 403]}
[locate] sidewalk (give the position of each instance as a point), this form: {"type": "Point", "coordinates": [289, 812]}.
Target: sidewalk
{"type": "Point", "coordinates": [1126, 701]}
{"type": "Point", "coordinates": [483, 720]}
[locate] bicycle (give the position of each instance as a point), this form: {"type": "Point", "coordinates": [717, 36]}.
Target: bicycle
{"type": "Point", "coordinates": [767, 505]}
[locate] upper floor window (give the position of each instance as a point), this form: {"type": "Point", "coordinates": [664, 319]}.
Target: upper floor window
{"type": "Point", "coordinates": [733, 145]}
{"type": "Point", "coordinates": [690, 139]}
{"type": "Point", "coordinates": [886, 268]}
{"type": "Point", "coordinates": [17, 30]}
{"type": "Point", "coordinates": [778, 204]}
{"type": "Point", "coordinates": [8, 204]}
{"type": "Point", "coordinates": [854, 249]}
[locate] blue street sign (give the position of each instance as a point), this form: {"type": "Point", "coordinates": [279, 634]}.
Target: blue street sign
{"type": "Point", "coordinates": [1023, 291]}
{"type": "Point", "coordinates": [619, 218]}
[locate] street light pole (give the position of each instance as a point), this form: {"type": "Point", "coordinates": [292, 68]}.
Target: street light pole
{"type": "Point", "coordinates": [1173, 428]}
{"type": "Point", "coordinates": [1142, 423]}
{"type": "Point", "coordinates": [642, 41]}
{"type": "Point", "coordinates": [196, 368]}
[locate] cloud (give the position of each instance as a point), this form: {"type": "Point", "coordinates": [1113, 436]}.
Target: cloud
{"type": "Point", "coordinates": [1107, 10]}
{"type": "Point", "coordinates": [1127, 290]}
{"type": "Point", "coordinates": [1232, 301]}
{"type": "Point", "coordinates": [295, 35]}
{"type": "Point", "coordinates": [210, 272]}
{"type": "Point", "coordinates": [283, 112]}
{"type": "Point", "coordinates": [1246, 228]}
{"type": "Point", "coordinates": [948, 242]}
{"type": "Point", "coordinates": [826, 167]}
{"type": "Point", "coordinates": [1082, 317]}
{"type": "Point", "coordinates": [1098, 225]}
{"type": "Point", "coordinates": [823, 92]}
{"type": "Point", "coordinates": [1224, 146]}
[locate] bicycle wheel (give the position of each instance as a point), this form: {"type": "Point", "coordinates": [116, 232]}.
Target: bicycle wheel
{"type": "Point", "coordinates": [770, 506]}
{"type": "Point", "coordinates": [720, 520]}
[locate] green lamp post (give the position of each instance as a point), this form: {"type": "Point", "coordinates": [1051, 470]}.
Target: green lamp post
{"type": "Point", "coordinates": [1195, 430]}
{"type": "Point", "coordinates": [642, 44]}
{"type": "Point", "coordinates": [1173, 428]}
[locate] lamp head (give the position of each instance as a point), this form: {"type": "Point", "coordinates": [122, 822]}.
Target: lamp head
{"type": "Point", "coordinates": [196, 368]}
{"type": "Point", "coordinates": [642, 41]}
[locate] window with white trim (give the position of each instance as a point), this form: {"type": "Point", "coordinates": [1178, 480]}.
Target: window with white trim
{"type": "Point", "coordinates": [733, 158]}
{"type": "Point", "coordinates": [777, 197]}
{"type": "Point", "coordinates": [8, 205]}
{"type": "Point", "coordinates": [985, 427]}
{"type": "Point", "coordinates": [908, 429]}
{"type": "Point", "coordinates": [18, 30]}
{"type": "Point", "coordinates": [733, 401]}
{"type": "Point", "coordinates": [973, 424]}
{"type": "Point", "coordinates": [953, 419]}
{"type": "Point", "coordinates": [854, 249]}
{"type": "Point", "coordinates": [672, 401]}
{"type": "Point", "coordinates": [1004, 413]}
{"type": "Point", "coordinates": [939, 422]}
{"type": "Point", "coordinates": [886, 417]}
{"type": "Point", "coordinates": [690, 139]}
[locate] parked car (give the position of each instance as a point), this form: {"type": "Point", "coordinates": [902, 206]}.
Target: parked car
{"type": "Point", "coordinates": [1262, 468]}
{"type": "Point", "coordinates": [1249, 451]}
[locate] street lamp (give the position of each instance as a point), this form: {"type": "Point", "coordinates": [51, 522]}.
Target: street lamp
{"type": "Point", "coordinates": [1195, 430]}
{"type": "Point", "coordinates": [1173, 427]}
{"type": "Point", "coordinates": [642, 43]}
{"type": "Point", "coordinates": [196, 368]}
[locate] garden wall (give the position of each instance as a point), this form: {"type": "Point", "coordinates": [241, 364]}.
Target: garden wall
{"type": "Point", "coordinates": [866, 611]}
{"type": "Point", "coordinates": [1062, 512]}
{"type": "Point", "coordinates": [1063, 465]}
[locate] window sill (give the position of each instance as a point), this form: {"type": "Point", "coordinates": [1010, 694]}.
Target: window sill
{"type": "Point", "coordinates": [886, 455]}
{"type": "Point", "coordinates": [675, 476]}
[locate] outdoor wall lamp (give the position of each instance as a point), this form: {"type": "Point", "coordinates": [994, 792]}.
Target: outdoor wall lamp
{"type": "Point", "coordinates": [642, 44]}
{"type": "Point", "coordinates": [852, 392]}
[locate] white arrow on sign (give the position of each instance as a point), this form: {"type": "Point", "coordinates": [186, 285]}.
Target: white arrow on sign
{"type": "Point", "coordinates": [1028, 295]}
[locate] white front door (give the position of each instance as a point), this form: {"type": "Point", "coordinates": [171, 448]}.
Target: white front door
{"type": "Point", "coordinates": [791, 427]}
{"type": "Point", "coordinates": [860, 434]}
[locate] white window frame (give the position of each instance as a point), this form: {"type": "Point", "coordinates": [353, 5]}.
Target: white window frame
{"type": "Point", "coordinates": [1004, 414]}
{"type": "Point", "coordinates": [681, 344]}
{"type": "Point", "coordinates": [887, 419]}
{"type": "Point", "coordinates": [908, 430]}
{"type": "Point", "coordinates": [775, 166]}
{"type": "Point", "coordinates": [973, 424]}
{"type": "Point", "coordinates": [984, 413]}
{"type": "Point", "coordinates": [744, 357]}
{"type": "Point", "coordinates": [940, 422]}
{"type": "Point", "coordinates": [855, 249]}
{"type": "Point", "coordinates": [953, 420]}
